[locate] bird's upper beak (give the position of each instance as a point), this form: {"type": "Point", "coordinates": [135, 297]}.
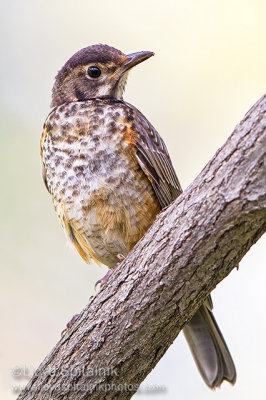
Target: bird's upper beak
{"type": "Point", "coordinates": [119, 78]}
{"type": "Point", "coordinates": [136, 58]}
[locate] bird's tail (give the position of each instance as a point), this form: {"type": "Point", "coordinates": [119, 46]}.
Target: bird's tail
{"type": "Point", "coordinates": [209, 349]}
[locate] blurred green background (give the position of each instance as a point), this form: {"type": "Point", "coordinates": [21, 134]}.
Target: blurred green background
{"type": "Point", "coordinates": [208, 71]}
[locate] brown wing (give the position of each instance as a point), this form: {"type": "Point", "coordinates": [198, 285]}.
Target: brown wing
{"type": "Point", "coordinates": [155, 161]}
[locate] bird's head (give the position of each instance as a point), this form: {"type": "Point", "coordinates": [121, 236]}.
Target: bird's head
{"type": "Point", "coordinates": [97, 71]}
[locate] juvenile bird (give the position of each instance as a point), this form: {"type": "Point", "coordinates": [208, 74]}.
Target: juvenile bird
{"type": "Point", "coordinates": [110, 174]}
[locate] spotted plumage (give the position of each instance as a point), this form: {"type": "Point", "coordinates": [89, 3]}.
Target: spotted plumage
{"type": "Point", "coordinates": [103, 199]}
{"type": "Point", "coordinates": [110, 174]}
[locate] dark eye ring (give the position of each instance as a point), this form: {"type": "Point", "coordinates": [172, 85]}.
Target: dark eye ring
{"type": "Point", "coordinates": [94, 72]}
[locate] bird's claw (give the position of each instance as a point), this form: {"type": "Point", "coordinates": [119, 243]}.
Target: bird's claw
{"type": "Point", "coordinates": [102, 281]}
{"type": "Point", "coordinates": [69, 324]}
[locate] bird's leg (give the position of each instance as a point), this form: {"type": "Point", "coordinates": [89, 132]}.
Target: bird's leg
{"type": "Point", "coordinates": [102, 281]}
{"type": "Point", "coordinates": [69, 324]}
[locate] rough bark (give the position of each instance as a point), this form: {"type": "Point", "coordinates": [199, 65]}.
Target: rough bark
{"type": "Point", "coordinates": [127, 327]}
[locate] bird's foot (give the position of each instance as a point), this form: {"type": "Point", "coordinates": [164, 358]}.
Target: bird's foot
{"type": "Point", "coordinates": [103, 281]}
{"type": "Point", "coordinates": [69, 324]}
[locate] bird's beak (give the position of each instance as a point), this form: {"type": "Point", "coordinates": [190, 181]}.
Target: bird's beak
{"type": "Point", "coordinates": [136, 58]}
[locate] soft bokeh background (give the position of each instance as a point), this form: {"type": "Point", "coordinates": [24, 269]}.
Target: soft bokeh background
{"type": "Point", "coordinates": [208, 71]}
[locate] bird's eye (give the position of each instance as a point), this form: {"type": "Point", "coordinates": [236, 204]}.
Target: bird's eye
{"type": "Point", "coordinates": [94, 72]}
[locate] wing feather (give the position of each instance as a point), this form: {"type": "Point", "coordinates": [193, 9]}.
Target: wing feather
{"type": "Point", "coordinates": [154, 159]}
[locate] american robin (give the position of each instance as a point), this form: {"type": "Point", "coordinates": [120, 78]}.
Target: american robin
{"type": "Point", "coordinates": [110, 174]}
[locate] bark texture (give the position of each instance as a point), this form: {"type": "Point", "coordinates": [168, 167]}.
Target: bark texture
{"type": "Point", "coordinates": [127, 327]}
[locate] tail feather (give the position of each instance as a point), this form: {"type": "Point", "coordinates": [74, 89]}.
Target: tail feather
{"type": "Point", "coordinates": [209, 349]}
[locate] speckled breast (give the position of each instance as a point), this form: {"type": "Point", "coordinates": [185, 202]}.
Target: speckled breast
{"type": "Point", "coordinates": [101, 195]}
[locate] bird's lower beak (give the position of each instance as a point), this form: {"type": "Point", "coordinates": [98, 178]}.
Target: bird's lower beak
{"type": "Point", "coordinates": [136, 58]}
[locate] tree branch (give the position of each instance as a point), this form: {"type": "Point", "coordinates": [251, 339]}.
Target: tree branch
{"type": "Point", "coordinates": [193, 244]}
